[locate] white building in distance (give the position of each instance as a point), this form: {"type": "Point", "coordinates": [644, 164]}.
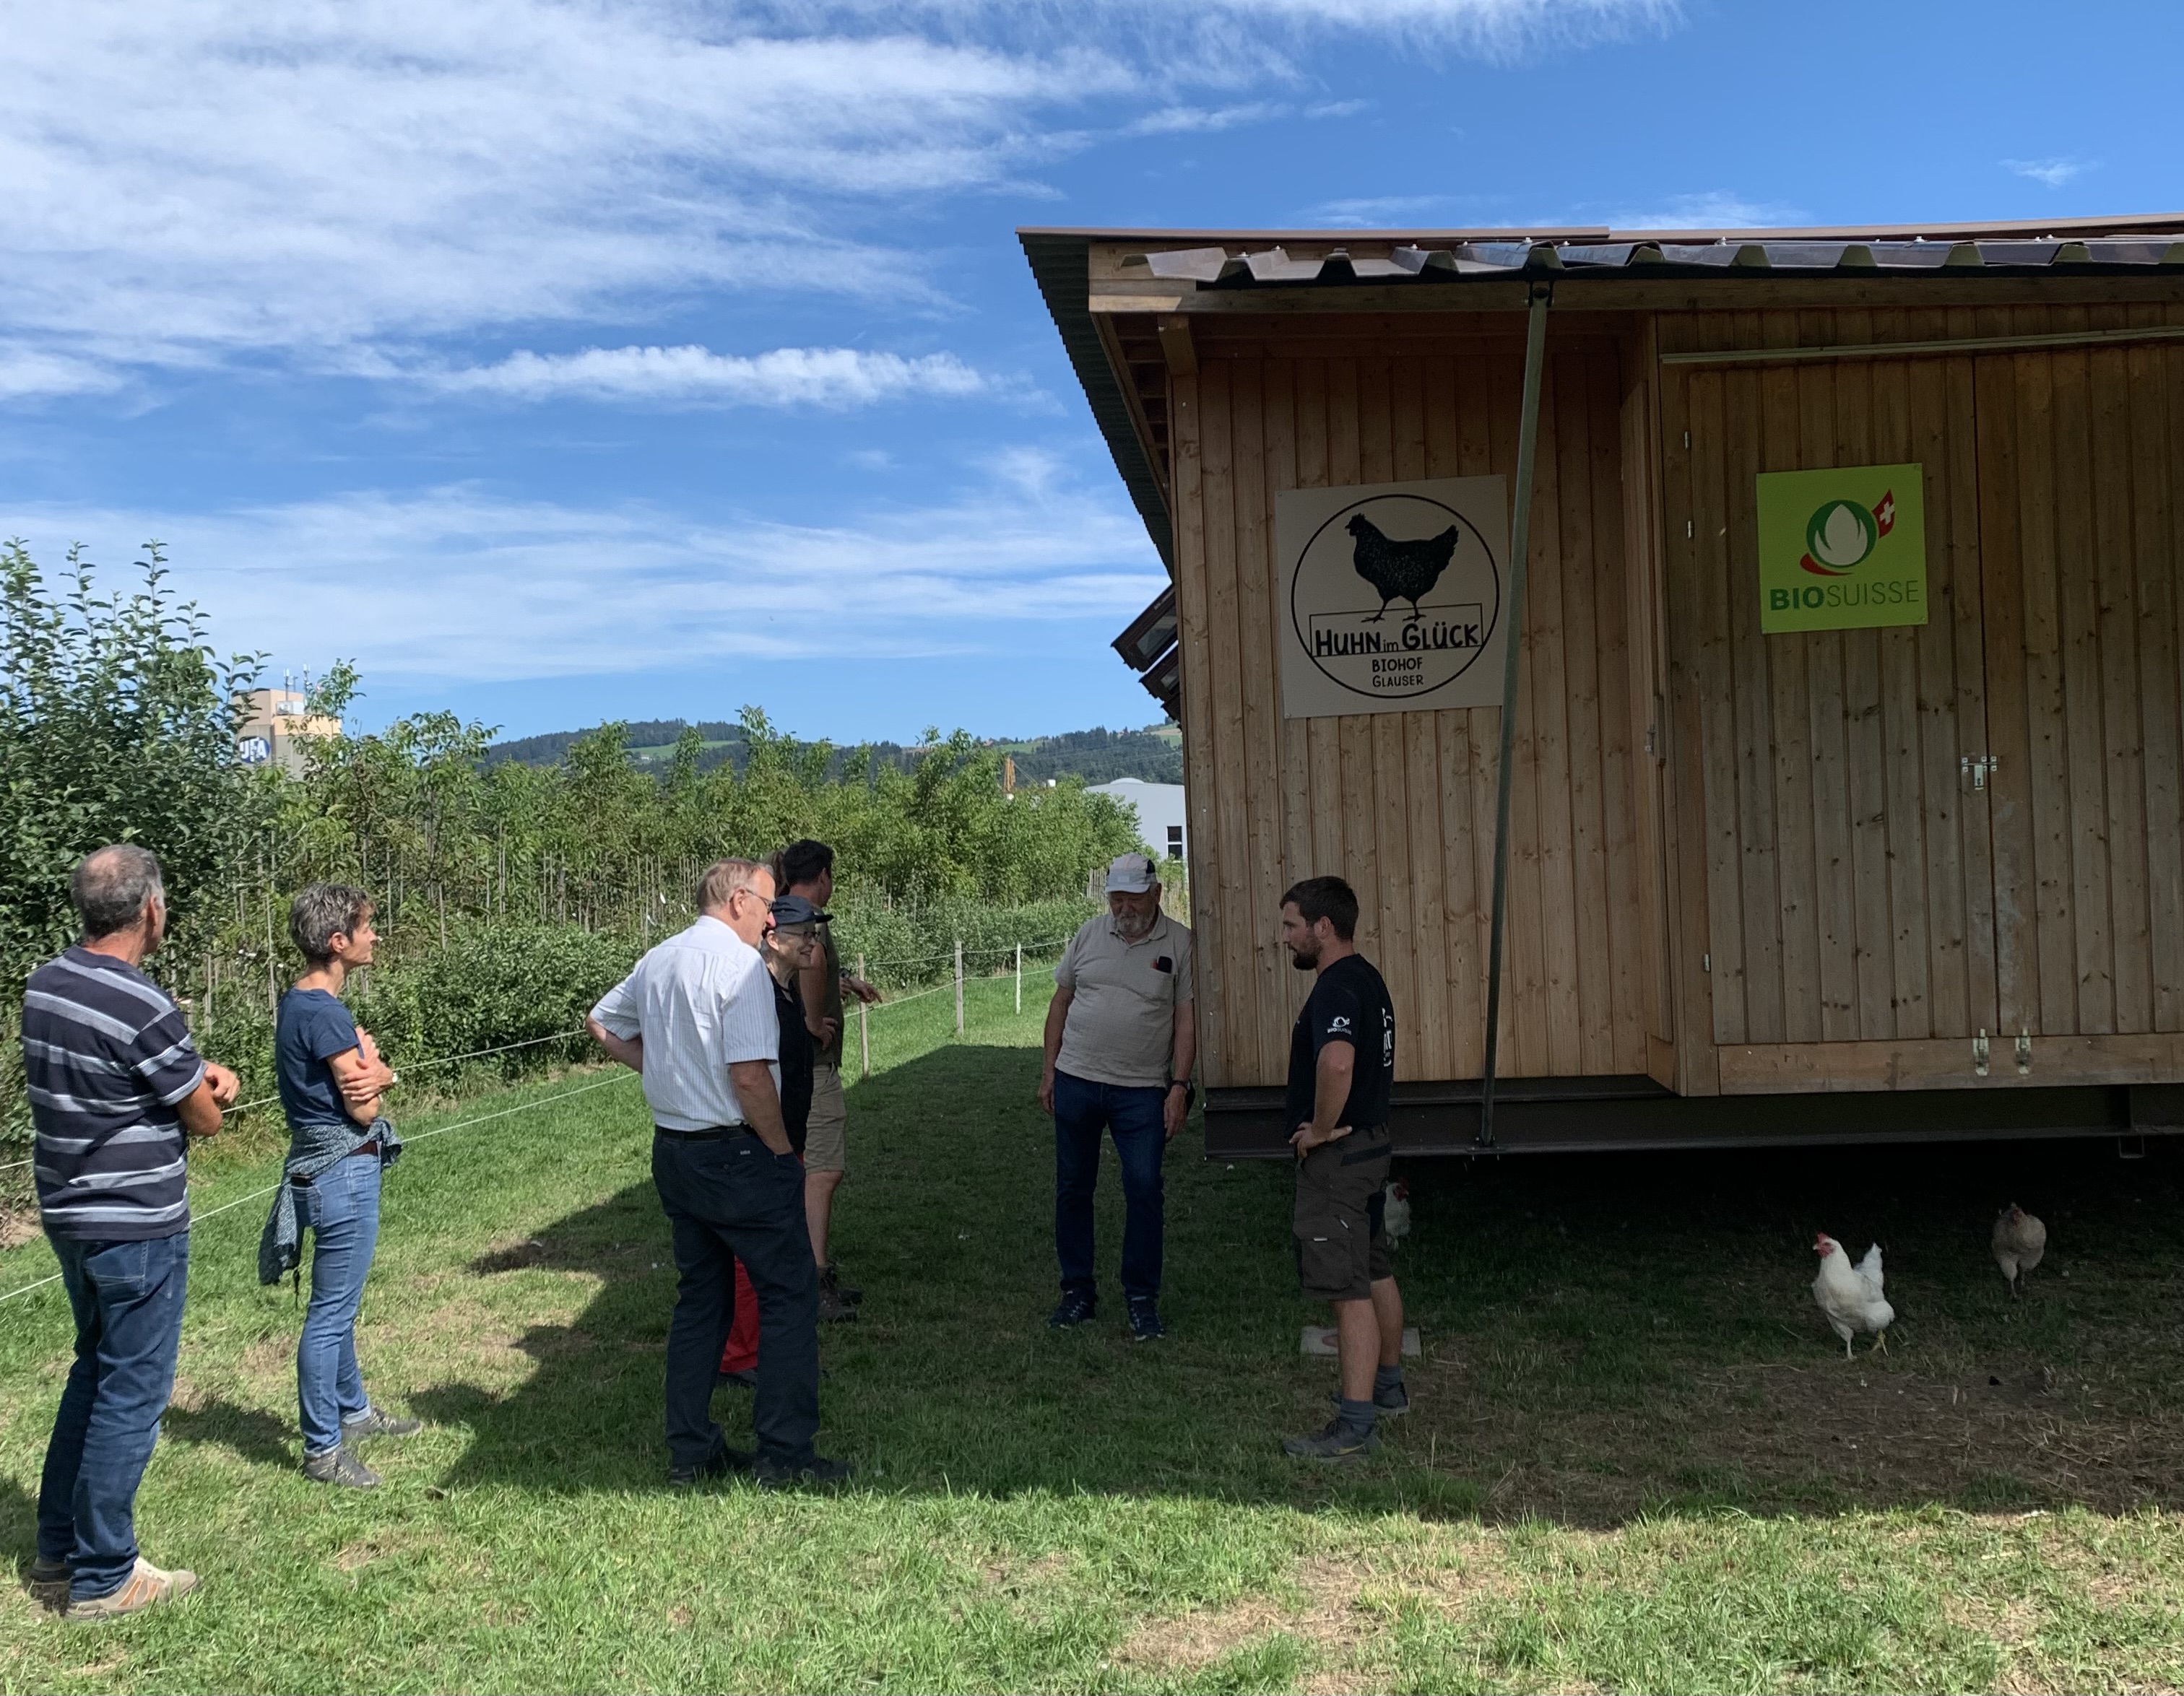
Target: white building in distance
{"type": "Point", "coordinates": [1160, 812]}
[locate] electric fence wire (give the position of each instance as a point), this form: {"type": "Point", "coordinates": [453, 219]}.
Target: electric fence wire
{"type": "Point", "coordinates": [199, 1219]}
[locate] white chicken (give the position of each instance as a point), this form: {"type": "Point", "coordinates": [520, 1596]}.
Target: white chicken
{"type": "Point", "coordinates": [1850, 1296]}
{"type": "Point", "coordinates": [2019, 1240]}
{"type": "Point", "coordinates": [1396, 1211]}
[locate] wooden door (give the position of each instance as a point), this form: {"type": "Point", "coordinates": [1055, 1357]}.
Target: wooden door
{"type": "Point", "coordinates": [1848, 937]}
{"type": "Point", "coordinates": [2081, 452]}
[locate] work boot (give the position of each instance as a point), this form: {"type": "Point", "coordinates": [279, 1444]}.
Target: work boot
{"type": "Point", "coordinates": [47, 1582]}
{"type": "Point", "coordinates": [339, 1466]}
{"type": "Point", "coordinates": [145, 1587]}
{"type": "Point", "coordinates": [1077, 1308]}
{"type": "Point", "coordinates": [830, 1278]}
{"type": "Point", "coordinates": [376, 1422]}
{"type": "Point", "coordinates": [1333, 1444]}
{"type": "Point", "coordinates": [772, 1475]}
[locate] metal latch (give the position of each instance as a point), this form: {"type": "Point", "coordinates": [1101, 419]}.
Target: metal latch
{"type": "Point", "coordinates": [1979, 767]}
{"type": "Point", "coordinates": [2025, 1053]}
{"type": "Point", "coordinates": [1979, 1053]}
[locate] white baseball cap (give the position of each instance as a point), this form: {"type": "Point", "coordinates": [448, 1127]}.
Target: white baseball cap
{"type": "Point", "coordinates": [1130, 874]}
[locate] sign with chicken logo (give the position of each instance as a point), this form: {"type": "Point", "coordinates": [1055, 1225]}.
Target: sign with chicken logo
{"type": "Point", "coordinates": [1392, 596]}
{"type": "Point", "coordinates": [1844, 549]}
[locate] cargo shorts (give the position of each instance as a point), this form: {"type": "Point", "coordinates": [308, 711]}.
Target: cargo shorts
{"type": "Point", "coordinates": [1341, 1245]}
{"type": "Point", "coordinates": [826, 1133]}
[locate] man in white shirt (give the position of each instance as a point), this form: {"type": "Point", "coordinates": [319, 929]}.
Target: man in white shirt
{"type": "Point", "coordinates": [697, 1019]}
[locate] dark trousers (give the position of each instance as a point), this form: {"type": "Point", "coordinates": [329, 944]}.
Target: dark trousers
{"type": "Point", "coordinates": [1082, 1110]}
{"type": "Point", "coordinates": [127, 1297]}
{"type": "Point", "coordinates": [730, 1199]}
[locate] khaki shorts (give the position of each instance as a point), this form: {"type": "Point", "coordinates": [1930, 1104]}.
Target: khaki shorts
{"type": "Point", "coordinates": [1341, 1250]}
{"type": "Point", "coordinates": [825, 1140]}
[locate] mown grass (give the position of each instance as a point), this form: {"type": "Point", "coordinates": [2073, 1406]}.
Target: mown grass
{"type": "Point", "coordinates": [1637, 1459]}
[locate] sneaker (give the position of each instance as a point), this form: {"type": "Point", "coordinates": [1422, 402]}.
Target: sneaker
{"type": "Point", "coordinates": [830, 1278]}
{"type": "Point", "coordinates": [1077, 1308]}
{"type": "Point", "coordinates": [376, 1422]}
{"type": "Point", "coordinates": [1332, 1445]}
{"type": "Point", "coordinates": [818, 1471]}
{"type": "Point", "coordinates": [144, 1587]}
{"type": "Point", "coordinates": [47, 1582]}
{"type": "Point", "coordinates": [1146, 1322]}
{"type": "Point", "coordinates": [724, 1462]}
{"type": "Point", "coordinates": [339, 1466]}
{"type": "Point", "coordinates": [833, 1309]}
{"type": "Point", "coordinates": [1392, 1403]}
{"type": "Point", "coordinates": [743, 1377]}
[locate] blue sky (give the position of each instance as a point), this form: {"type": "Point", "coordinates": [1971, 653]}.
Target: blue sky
{"type": "Point", "coordinates": [558, 362]}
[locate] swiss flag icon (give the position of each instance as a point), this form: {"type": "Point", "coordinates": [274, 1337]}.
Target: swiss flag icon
{"type": "Point", "coordinates": [1884, 514]}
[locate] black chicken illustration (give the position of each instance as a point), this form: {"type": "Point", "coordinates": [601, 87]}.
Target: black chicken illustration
{"type": "Point", "coordinates": [1399, 570]}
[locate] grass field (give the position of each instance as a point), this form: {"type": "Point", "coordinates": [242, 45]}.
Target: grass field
{"type": "Point", "coordinates": [1638, 1458]}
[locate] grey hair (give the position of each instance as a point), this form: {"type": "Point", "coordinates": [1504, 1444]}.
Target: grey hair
{"type": "Point", "coordinates": [111, 884]}
{"type": "Point", "coordinates": [724, 877]}
{"type": "Point", "coordinates": [321, 912]}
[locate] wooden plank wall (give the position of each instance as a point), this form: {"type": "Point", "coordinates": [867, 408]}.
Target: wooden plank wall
{"type": "Point", "coordinates": [1402, 805]}
{"type": "Point", "coordinates": [2081, 508]}
{"type": "Point", "coordinates": [1851, 887]}
{"type": "Point", "coordinates": [1845, 872]}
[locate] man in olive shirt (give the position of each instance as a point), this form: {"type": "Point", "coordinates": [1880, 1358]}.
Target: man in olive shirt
{"type": "Point", "coordinates": [1121, 1035]}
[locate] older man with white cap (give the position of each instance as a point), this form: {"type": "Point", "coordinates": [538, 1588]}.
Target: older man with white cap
{"type": "Point", "coordinates": [1121, 1035]}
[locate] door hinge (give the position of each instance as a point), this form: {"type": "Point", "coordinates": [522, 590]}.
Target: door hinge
{"type": "Point", "coordinates": [2025, 1053]}
{"type": "Point", "coordinates": [1979, 1053]}
{"type": "Point", "coordinates": [1979, 767]}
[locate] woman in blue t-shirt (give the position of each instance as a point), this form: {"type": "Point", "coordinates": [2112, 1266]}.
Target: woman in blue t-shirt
{"type": "Point", "coordinates": [332, 1079]}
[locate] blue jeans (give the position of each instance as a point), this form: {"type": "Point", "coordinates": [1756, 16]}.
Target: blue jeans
{"type": "Point", "coordinates": [342, 1207]}
{"type": "Point", "coordinates": [127, 1297]}
{"type": "Point", "coordinates": [1082, 1111]}
{"type": "Point", "coordinates": [728, 1198]}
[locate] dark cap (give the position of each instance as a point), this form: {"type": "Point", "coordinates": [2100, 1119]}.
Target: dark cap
{"type": "Point", "coordinates": [795, 909]}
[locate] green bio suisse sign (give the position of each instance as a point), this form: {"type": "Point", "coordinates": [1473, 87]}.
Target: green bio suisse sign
{"type": "Point", "coordinates": [1844, 549]}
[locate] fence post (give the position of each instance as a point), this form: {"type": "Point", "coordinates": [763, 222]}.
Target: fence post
{"type": "Point", "coordinates": [864, 1028]}
{"type": "Point", "coordinates": [959, 986]}
{"type": "Point", "coordinates": [1019, 977]}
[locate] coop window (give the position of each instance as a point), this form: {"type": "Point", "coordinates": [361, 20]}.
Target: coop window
{"type": "Point", "coordinates": [1175, 841]}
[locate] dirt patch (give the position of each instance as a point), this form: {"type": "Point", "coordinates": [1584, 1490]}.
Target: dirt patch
{"type": "Point", "coordinates": [1329, 1619]}
{"type": "Point", "coordinates": [1777, 1438]}
{"type": "Point", "coordinates": [18, 1227]}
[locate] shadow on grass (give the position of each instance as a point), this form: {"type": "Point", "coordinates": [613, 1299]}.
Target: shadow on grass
{"type": "Point", "coordinates": [1604, 1336]}
{"type": "Point", "coordinates": [252, 1433]}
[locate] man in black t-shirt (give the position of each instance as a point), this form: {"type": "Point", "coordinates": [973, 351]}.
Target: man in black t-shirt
{"type": "Point", "coordinates": [1342, 1073]}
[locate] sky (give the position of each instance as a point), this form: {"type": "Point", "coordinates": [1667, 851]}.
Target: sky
{"type": "Point", "coordinates": [563, 362]}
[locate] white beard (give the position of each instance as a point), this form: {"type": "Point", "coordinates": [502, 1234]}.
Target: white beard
{"type": "Point", "coordinates": [1136, 927]}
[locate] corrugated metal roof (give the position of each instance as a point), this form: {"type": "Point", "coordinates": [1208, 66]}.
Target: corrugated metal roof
{"type": "Point", "coordinates": [1241, 264]}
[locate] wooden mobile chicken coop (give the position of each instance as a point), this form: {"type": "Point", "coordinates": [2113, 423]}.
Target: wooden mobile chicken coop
{"type": "Point", "coordinates": [1847, 774]}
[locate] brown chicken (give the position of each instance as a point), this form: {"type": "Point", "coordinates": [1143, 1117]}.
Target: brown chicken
{"type": "Point", "coordinates": [2019, 1240]}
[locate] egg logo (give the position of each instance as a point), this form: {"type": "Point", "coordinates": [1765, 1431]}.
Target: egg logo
{"type": "Point", "coordinates": [1841, 535]}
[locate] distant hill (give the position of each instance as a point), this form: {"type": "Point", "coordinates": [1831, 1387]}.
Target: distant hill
{"type": "Point", "coordinates": [1099, 755]}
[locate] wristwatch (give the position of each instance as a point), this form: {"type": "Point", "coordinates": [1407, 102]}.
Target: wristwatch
{"type": "Point", "coordinates": [1190, 1094]}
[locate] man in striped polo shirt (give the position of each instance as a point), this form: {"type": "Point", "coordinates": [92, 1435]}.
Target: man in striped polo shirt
{"type": "Point", "coordinates": [115, 1083]}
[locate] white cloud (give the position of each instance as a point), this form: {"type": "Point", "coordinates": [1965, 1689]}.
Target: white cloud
{"type": "Point", "coordinates": [1173, 120]}
{"type": "Point", "coordinates": [29, 374]}
{"type": "Point", "coordinates": [424, 586]}
{"type": "Point", "coordinates": [826, 377]}
{"type": "Point", "coordinates": [1715, 211]}
{"type": "Point", "coordinates": [2053, 173]}
{"type": "Point", "coordinates": [185, 181]}
{"type": "Point", "coordinates": [1378, 212]}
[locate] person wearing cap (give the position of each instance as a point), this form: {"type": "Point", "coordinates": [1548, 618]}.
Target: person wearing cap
{"type": "Point", "coordinates": [790, 946]}
{"type": "Point", "coordinates": [696, 1019]}
{"type": "Point", "coordinates": [806, 868]}
{"type": "Point", "coordinates": [1122, 1033]}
